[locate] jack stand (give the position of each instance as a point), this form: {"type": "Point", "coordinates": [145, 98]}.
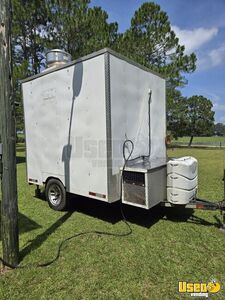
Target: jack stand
{"type": "Point", "coordinates": [37, 192]}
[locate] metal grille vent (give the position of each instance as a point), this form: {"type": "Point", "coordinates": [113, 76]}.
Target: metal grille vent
{"type": "Point", "coordinates": [134, 187]}
{"type": "Point", "coordinates": [136, 178]}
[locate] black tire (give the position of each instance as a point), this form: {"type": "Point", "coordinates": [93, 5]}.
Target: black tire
{"type": "Point", "coordinates": [55, 194]}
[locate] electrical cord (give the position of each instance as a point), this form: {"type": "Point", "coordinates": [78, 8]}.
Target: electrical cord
{"type": "Point", "coordinates": [149, 135]}
{"type": "Point", "coordinates": [131, 151]}
{"type": "Point", "coordinates": [81, 233]}
{"type": "Point", "coordinates": [96, 231]}
{"type": "Point", "coordinates": [46, 264]}
{"type": "Point", "coordinates": [126, 159]}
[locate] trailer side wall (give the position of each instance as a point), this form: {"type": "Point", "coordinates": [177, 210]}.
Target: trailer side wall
{"type": "Point", "coordinates": [65, 118]}
{"type": "Point", "coordinates": [131, 89]}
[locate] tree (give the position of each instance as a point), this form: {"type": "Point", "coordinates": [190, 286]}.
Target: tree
{"type": "Point", "coordinates": [176, 113]}
{"type": "Point", "coordinates": [219, 129]}
{"type": "Point", "coordinates": [41, 25]}
{"type": "Point", "coordinates": [19, 72]}
{"type": "Point", "coordinates": [151, 42]}
{"type": "Point", "coordinates": [200, 117]}
{"type": "Point", "coordinates": [79, 29]}
{"type": "Point", "coordinates": [28, 40]}
{"type": "Point", "coordinates": [30, 19]}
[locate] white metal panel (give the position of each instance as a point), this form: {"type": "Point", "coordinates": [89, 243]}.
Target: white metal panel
{"type": "Point", "coordinates": [65, 118]}
{"type": "Point", "coordinates": [130, 87]}
{"type": "Point", "coordinates": [153, 191]}
{"type": "Point", "coordinates": [33, 136]}
{"type": "Point", "coordinates": [144, 166]}
{"type": "Point", "coordinates": [89, 126]}
{"type": "Point", "coordinates": [156, 186]}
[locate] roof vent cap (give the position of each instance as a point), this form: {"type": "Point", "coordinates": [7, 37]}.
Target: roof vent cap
{"type": "Point", "coordinates": [57, 57]}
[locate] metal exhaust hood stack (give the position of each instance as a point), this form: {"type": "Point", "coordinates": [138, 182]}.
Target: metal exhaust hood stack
{"type": "Point", "coordinates": [56, 58]}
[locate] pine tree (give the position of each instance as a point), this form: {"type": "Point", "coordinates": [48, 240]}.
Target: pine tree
{"type": "Point", "coordinates": [151, 42]}
{"type": "Point", "coordinates": [78, 28]}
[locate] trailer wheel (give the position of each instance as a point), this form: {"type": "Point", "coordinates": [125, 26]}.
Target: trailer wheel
{"type": "Point", "coordinates": [55, 194]}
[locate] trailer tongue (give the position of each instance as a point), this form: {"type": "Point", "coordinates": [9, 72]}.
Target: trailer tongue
{"type": "Point", "coordinates": [182, 184]}
{"type": "Point", "coordinates": [203, 205]}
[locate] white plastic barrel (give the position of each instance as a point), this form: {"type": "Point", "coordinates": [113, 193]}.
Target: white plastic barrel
{"type": "Point", "coordinates": [182, 180]}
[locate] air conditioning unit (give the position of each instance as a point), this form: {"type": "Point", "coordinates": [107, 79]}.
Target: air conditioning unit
{"type": "Point", "coordinates": [144, 184]}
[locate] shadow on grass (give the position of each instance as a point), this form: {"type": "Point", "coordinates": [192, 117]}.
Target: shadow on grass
{"type": "Point", "coordinates": [20, 159]}
{"type": "Point", "coordinates": [25, 224]}
{"type": "Point", "coordinates": [179, 214]}
{"type": "Point", "coordinates": [111, 212]}
{"type": "Point", "coordinates": [39, 239]}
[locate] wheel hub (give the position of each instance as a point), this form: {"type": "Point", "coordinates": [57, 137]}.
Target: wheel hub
{"type": "Point", "coordinates": [55, 194]}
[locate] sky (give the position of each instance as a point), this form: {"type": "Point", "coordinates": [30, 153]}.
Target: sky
{"type": "Point", "coordinates": [200, 26]}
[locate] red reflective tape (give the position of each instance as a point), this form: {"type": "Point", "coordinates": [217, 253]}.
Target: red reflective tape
{"type": "Point", "coordinates": [199, 205]}
{"type": "Point", "coordinates": [92, 194]}
{"type": "Point", "coordinates": [97, 195]}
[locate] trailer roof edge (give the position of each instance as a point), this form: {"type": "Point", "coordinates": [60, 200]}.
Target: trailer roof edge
{"type": "Point", "coordinates": [132, 62]}
{"type": "Point", "coordinates": [89, 56]}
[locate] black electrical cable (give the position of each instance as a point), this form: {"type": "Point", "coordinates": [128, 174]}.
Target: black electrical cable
{"type": "Point", "coordinates": [126, 159]}
{"type": "Point", "coordinates": [149, 134]}
{"type": "Point", "coordinates": [37, 265]}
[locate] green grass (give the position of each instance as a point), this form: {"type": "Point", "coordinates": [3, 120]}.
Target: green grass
{"type": "Point", "coordinates": [165, 246]}
{"type": "Point", "coordinates": [202, 140]}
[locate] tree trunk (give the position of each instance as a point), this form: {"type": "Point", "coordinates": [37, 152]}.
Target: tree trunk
{"type": "Point", "coordinates": [9, 207]}
{"type": "Point", "coordinates": [191, 140]}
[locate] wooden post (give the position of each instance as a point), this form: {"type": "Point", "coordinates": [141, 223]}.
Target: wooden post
{"type": "Point", "coordinates": [9, 206]}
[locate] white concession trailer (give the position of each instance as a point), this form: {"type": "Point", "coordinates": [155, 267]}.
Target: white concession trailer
{"type": "Point", "coordinates": [96, 127]}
